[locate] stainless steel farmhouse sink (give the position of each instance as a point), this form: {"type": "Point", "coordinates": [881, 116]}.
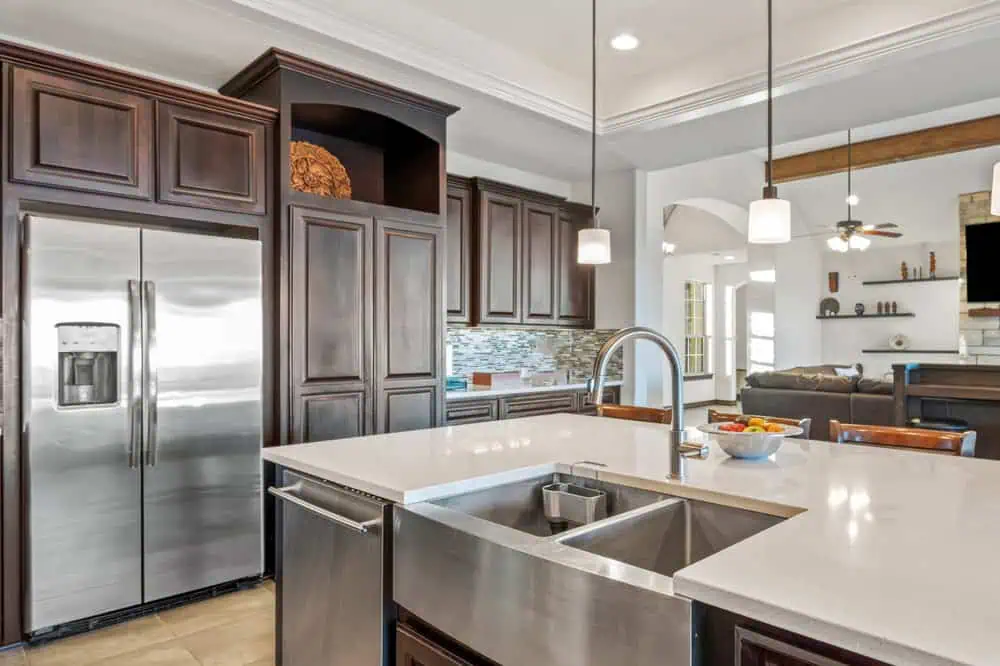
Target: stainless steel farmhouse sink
{"type": "Point", "coordinates": [491, 570]}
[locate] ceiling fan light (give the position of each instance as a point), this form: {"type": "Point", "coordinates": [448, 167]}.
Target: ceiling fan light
{"type": "Point", "coordinates": [857, 242]}
{"type": "Point", "coordinates": [853, 199]}
{"type": "Point", "coordinates": [837, 244]}
{"type": "Point", "coordinates": [593, 247]}
{"type": "Point", "coordinates": [995, 205]}
{"type": "Point", "coordinates": [770, 221]}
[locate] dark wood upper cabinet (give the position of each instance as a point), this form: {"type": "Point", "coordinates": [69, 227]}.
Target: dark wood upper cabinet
{"type": "Point", "coordinates": [331, 297]}
{"type": "Point", "coordinates": [499, 233]}
{"type": "Point", "coordinates": [409, 286]}
{"type": "Point", "coordinates": [209, 160]}
{"type": "Point", "coordinates": [459, 239]}
{"type": "Point", "coordinates": [576, 281]}
{"type": "Point", "coordinates": [80, 136]}
{"type": "Point", "coordinates": [540, 269]}
{"type": "Point", "coordinates": [332, 416]}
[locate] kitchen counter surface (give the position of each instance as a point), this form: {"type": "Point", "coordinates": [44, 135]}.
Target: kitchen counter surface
{"type": "Point", "coordinates": [480, 392]}
{"type": "Point", "coordinates": [888, 554]}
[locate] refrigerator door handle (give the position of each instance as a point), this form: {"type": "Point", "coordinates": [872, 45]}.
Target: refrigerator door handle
{"type": "Point", "coordinates": [135, 364]}
{"type": "Point", "coordinates": [149, 371]}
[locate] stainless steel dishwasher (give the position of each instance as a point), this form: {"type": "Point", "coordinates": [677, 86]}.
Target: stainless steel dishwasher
{"type": "Point", "coordinates": [334, 601]}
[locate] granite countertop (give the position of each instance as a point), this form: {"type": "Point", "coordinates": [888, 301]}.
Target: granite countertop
{"type": "Point", "coordinates": [479, 392]}
{"type": "Point", "coordinates": [888, 554]}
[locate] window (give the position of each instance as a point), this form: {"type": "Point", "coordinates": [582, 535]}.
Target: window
{"type": "Point", "coordinates": [761, 341]}
{"type": "Point", "coordinates": [698, 316]}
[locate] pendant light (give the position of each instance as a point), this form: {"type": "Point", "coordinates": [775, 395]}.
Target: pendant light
{"type": "Point", "coordinates": [770, 217]}
{"type": "Point", "coordinates": [995, 204]}
{"type": "Point", "coordinates": [593, 244]}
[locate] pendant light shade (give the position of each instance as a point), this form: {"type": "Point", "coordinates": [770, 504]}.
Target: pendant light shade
{"type": "Point", "coordinates": [995, 203]}
{"type": "Point", "coordinates": [837, 244]}
{"type": "Point", "coordinates": [856, 242]}
{"type": "Point", "coordinates": [770, 219]}
{"type": "Point", "coordinates": [594, 244]}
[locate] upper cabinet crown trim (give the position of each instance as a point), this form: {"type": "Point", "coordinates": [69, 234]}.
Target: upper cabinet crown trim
{"type": "Point", "coordinates": [100, 74]}
{"type": "Point", "coordinates": [274, 59]}
{"type": "Point", "coordinates": [496, 187]}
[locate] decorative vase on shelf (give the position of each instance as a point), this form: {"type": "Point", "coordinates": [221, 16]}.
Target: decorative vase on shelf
{"type": "Point", "coordinates": [920, 273]}
{"type": "Point", "coordinates": [904, 271]}
{"type": "Point", "coordinates": [880, 307]}
{"type": "Point", "coordinates": [859, 309]}
{"type": "Point", "coordinates": [933, 269]}
{"type": "Point", "coordinates": [899, 342]}
{"type": "Point", "coordinates": [895, 307]}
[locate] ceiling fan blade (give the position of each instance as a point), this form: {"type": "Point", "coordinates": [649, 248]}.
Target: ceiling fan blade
{"type": "Point", "coordinates": [887, 225]}
{"type": "Point", "coordinates": [883, 234]}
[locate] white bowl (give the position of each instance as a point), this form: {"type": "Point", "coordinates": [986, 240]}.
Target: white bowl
{"type": "Point", "coordinates": [749, 445]}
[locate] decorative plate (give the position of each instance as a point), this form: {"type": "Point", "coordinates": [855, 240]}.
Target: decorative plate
{"type": "Point", "coordinates": [899, 342]}
{"type": "Point", "coordinates": [829, 306]}
{"type": "Point", "coordinates": [316, 171]}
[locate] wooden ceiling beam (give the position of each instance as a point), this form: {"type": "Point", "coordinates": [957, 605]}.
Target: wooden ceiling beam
{"type": "Point", "coordinates": [968, 135]}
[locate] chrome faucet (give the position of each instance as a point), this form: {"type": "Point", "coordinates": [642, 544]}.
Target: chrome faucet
{"type": "Point", "coordinates": [679, 450]}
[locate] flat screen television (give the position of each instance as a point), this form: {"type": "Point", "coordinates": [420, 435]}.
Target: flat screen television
{"type": "Point", "coordinates": [982, 249]}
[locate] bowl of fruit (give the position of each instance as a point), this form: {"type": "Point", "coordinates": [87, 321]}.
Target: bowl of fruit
{"type": "Point", "coordinates": [750, 437]}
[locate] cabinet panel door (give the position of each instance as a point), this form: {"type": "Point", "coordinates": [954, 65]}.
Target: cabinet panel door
{"type": "Point", "coordinates": [576, 281]}
{"type": "Point", "coordinates": [332, 416]}
{"type": "Point", "coordinates": [459, 269]}
{"type": "Point", "coordinates": [539, 270]}
{"type": "Point", "coordinates": [414, 408]}
{"type": "Point", "coordinates": [499, 258]}
{"type": "Point", "coordinates": [754, 649]}
{"type": "Point", "coordinates": [534, 405]}
{"type": "Point", "coordinates": [331, 298]}
{"type": "Point", "coordinates": [210, 160]}
{"type": "Point", "coordinates": [80, 136]}
{"type": "Point", "coordinates": [414, 650]}
{"type": "Point", "coordinates": [471, 411]}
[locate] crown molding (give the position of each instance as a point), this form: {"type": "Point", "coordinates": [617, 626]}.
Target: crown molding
{"type": "Point", "coordinates": [396, 47]}
{"type": "Point", "coordinates": [797, 75]}
{"type": "Point", "coordinates": [960, 25]}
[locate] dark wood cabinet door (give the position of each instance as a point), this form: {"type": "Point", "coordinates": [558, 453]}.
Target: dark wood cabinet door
{"type": "Point", "coordinates": [332, 311]}
{"type": "Point", "coordinates": [459, 268]}
{"type": "Point", "coordinates": [471, 411]}
{"type": "Point", "coordinates": [499, 274]}
{"type": "Point", "coordinates": [754, 649]}
{"type": "Point", "coordinates": [415, 650]}
{"type": "Point", "coordinates": [576, 281]}
{"type": "Point", "coordinates": [332, 416]}
{"type": "Point", "coordinates": [534, 405]}
{"type": "Point", "coordinates": [80, 136]}
{"type": "Point", "coordinates": [210, 160]}
{"type": "Point", "coordinates": [409, 325]}
{"type": "Point", "coordinates": [539, 268]}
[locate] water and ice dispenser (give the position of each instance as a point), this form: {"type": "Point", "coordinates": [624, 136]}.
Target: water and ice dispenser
{"type": "Point", "coordinates": [88, 364]}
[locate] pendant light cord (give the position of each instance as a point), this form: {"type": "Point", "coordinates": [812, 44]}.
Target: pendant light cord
{"type": "Point", "coordinates": [593, 116]}
{"type": "Point", "coordinates": [770, 103]}
{"type": "Point", "coordinates": [850, 190]}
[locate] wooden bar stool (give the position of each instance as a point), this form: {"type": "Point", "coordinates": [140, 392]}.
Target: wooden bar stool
{"type": "Point", "coordinates": [907, 439]}
{"type": "Point", "coordinates": [726, 417]}
{"type": "Point", "coordinates": [632, 413]}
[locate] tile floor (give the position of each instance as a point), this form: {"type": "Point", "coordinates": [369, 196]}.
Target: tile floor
{"type": "Point", "coordinates": [232, 630]}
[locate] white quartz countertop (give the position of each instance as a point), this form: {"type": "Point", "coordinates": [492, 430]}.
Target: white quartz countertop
{"type": "Point", "coordinates": [479, 392]}
{"type": "Point", "coordinates": [889, 554]}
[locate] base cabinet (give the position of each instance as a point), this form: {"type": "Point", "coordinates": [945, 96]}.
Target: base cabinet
{"type": "Point", "coordinates": [469, 410]}
{"type": "Point", "coordinates": [414, 650]}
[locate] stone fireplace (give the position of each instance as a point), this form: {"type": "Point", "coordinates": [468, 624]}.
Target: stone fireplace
{"type": "Point", "coordinates": [981, 334]}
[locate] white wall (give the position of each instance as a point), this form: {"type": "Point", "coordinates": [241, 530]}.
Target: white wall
{"type": "Point", "coordinates": [935, 304]}
{"type": "Point", "coordinates": [472, 167]}
{"type": "Point", "coordinates": [730, 275]}
{"type": "Point", "coordinates": [799, 284]}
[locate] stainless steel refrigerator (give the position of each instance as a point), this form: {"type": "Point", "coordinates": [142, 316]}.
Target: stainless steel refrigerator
{"type": "Point", "coordinates": [142, 392]}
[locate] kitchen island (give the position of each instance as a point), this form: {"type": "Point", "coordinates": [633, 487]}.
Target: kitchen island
{"type": "Point", "coordinates": [888, 555]}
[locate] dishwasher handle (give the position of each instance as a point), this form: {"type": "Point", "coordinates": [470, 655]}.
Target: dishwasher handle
{"type": "Point", "coordinates": [286, 495]}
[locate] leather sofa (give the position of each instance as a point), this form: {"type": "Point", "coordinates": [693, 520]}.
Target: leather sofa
{"type": "Point", "coordinates": [819, 393]}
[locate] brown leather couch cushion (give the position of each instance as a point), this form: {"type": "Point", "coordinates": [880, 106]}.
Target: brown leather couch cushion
{"type": "Point", "coordinates": [802, 382]}
{"type": "Point", "coordinates": [871, 409]}
{"type": "Point", "coordinates": [874, 386]}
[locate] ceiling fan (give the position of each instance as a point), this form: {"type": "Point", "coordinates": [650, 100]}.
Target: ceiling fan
{"type": "Point", "coordinates": [851, 234]}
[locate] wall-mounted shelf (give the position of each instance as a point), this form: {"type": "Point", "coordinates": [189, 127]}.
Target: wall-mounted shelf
{"type": "Point", "coordinates": [909, 351]}
{"type": "Point", "coordinates": [984, 312]}
{"type": "Point", "coordinates": [867, 316]}
{"type": "Point", "coordinates": [947, 278]}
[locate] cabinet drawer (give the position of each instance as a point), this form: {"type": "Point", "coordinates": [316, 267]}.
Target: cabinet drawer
{"type": "Point", "coordinates": [512, 408]}
{"type": "Point", "coordinates": [210, 160]}
{"type": "Point", "coordinates": [80, 136]}
{"type": "Point", "coordinates": [472, 411]}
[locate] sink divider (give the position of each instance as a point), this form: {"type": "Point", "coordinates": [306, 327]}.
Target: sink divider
{"type": "Point", "coordinates": [626, 516]}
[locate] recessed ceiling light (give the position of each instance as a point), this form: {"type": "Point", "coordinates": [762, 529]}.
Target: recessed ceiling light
{"type": "Point", "coordinates": [729, 257]}
{"type": "Point", "coordinates": [624, 42]}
